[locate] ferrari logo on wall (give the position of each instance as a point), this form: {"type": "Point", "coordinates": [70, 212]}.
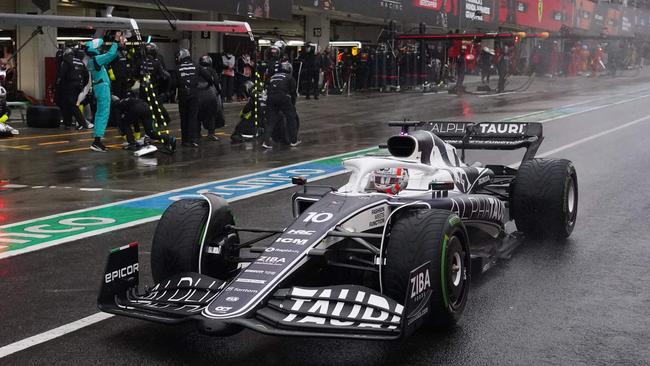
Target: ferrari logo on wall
{"type": "Point", "coordinates": [540, 10]}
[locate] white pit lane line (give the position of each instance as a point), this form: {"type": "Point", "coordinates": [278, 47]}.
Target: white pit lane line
{"type": "Point", "coordinates": [97, 317]}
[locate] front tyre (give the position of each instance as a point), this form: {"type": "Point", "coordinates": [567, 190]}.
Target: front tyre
{"type": "Point", "coordinates": [439, 238]}
{"type": "Point", "coordinates": [544, 198]}
{"type": "Point", "coordinates": [177, 241]}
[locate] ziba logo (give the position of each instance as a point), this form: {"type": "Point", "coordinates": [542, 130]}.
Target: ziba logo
{"type": "Point", "coordinates": [271, 260]}
{"type": "Point", "coordinates": [121, 273]}
{"type": "Point", "coordinates": [420, 283]}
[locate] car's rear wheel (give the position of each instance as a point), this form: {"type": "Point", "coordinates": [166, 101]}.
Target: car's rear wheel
{"type": "Point", "coordinates": [544, 198]}
{"type": "Point", "coordinates": [439, 238]}
{"type": "Point", "coordinates": [177, 242]}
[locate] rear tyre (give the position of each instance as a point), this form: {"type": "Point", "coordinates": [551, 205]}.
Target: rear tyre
{"type": "Point", "coordinates": [437, 237]}
{"type": "Point", "coordinates": [544, 198]}
{"type": "Point", "coordinates": [177, 242]}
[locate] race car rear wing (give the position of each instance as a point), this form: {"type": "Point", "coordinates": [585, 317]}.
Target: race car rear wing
{"type": "Point", "coordinates": [489, 135]}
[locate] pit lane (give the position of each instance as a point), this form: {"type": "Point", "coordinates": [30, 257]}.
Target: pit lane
{"type": "Point", "coordinates": [583, 302]}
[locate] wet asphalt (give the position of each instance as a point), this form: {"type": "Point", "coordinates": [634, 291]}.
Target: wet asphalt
{"type": "Point", "coordinates": [582, 302]}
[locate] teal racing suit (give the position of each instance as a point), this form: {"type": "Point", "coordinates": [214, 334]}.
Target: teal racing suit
{"type": "Point", "coordinates": [101, 85]}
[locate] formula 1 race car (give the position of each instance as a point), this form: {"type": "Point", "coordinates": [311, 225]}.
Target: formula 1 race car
{"type": "Point", "coordinates": [388, 252]}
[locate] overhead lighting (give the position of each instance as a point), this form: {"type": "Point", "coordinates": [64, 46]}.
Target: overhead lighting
{"type": "Point", "coordinates": [295, 43]}
{"type": "Point", "coordinates": [263, 42]}
{"type": "Point", "coordinates": [345, 44]}
{"type": "Point", "coordinates": [5, 38]}
{"type": "Point", "coordinates": [73, 38]}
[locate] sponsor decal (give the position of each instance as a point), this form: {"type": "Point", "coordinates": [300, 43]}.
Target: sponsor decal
{"type": "Point", "coordinates": [121, 273]}
{"type": "Point", "coordinates": [369, 219]}
{"type": "Point", "coordinates": [291, 241]}
{"type": "Point", "coordinates": [419, 293]}
{"type": "Point", "coordinates": [232, 298]}
{"type": "Point", "coordinates": [280, 250]}
{"type": "Point", "coordinates": [475, 207]}
{"type": "Point", "coordinates": [250, 280]}
{"type": "Point", "coordinates": [341, 306]}
{"type": "Point", "coordinates": [503, 128]}
{"type": "Point", "coordinates": [301, 232]}
{"type": "Point", "coordinates": [484, 179]}
{"type": "Point", "coordinates": [275, 261]}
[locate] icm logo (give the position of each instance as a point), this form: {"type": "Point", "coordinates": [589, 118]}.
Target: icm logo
{"type": "Point", "coordinates": [292, 241]}
{"type": "Point", "coordinates": [420, 283]}
{"type": "Point", "coordinates": [121, 273]}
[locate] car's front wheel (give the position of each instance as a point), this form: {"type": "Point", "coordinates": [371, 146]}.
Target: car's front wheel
{"type": "Point", "coordinates": [433, 246]}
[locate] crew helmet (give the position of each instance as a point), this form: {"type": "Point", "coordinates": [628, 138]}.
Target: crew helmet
{"type": "Point", "coordinates": [286, 67]}
{"type": "Point", "coordinates": [151, 49]}
{"type": "Point", "coordinates": [182, 54]}
{"type": "Point", "coordinates": [206, 61]}
{"type": "Point", "coordinates": [3, 93]}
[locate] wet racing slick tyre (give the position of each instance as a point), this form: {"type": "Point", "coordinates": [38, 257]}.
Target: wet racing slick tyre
{"type": "Point", "coordinates": [41, 116]}
{"type": "Point", "coordinates": [544, 198]}
{"type": "Point", "coordinates": [439, 238]}
{"type": "Point", "coordinates": [177, 242]}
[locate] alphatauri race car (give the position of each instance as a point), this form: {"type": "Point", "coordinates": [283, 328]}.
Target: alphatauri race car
{"type": "Point", "coordinates": [390, 251]}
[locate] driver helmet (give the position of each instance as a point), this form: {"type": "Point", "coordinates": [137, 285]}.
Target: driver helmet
{"type": "Point", "coordinates": [390, 180]}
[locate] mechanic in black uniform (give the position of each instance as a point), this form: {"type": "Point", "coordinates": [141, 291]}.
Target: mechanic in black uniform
{"type": "Point", "coordinates": [208, 94]}
{"type": "Point", "coordinates": [188, 103]}
{"type": "Point", "coordinates": [131, 113]}
{"type": "Point", "coordinates": [281, 97]}
{"type": "Point", "coordinates": [503, 66]}
{"type": "Point", "coordinates": [119, 72]}
{"type": "Point", "coordinates": [159, 77]}
{"type": "Point", "coordinates": [310, 70]}
{"type": "Point", "coordinates": [71, 79]}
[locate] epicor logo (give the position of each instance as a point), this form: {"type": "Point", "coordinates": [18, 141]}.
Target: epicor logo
{"type": "Point", "coordinates": [121, 273]}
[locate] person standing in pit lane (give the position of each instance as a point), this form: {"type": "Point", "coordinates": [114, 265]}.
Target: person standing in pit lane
{"type": "Point", "coordinates": [102, 85]}
{"type": "Point", "coordinates": [208, 92]}
{"type": "Point", "coordinates": [119, 73]}
{"type": "Point", "coordinates": [71, 79]}
{"type": "Point", "coordinates": [310, 70]}
{"type": "Point", "coordinates": [188, 105]}
{"type": "Point", "coordinates": [281, 100]}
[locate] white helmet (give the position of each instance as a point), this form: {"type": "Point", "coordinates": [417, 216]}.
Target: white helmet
{"type": "Point", "coordinates": [390, 180]}
{"type": "Point", "coordinates": [3, 93]}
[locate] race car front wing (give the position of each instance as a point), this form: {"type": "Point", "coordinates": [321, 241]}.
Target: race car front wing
{"type": "Point", "coordinates": [342, 311]}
